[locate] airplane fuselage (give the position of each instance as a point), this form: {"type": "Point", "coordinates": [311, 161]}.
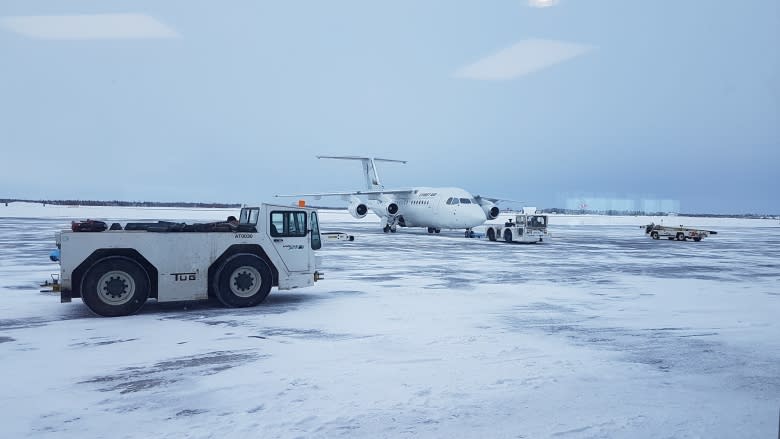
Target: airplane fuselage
{"type": "Point", "coordinates": [436, 208]}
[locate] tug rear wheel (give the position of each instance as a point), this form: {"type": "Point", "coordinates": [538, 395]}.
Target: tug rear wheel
{"type": "Point", "coordinates": [680, 236]}
{"type": "Point", "coordinates": [507, 235]}
{"type": "Point", "coordinates": [654, 235]}
{"type": "Point", "coordinates": [115, 286]}
{"type": "Point", "coordinates": [243, 280]}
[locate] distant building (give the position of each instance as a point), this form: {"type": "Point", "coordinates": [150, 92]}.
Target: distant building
{"type": "Point", "coordinates": [603, 204]}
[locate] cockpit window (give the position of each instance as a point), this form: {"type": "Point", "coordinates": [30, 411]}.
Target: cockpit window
{"type": "Point", "coordinates": [455, 201]}
{"type": "Point", "coordinates": [465, 201]}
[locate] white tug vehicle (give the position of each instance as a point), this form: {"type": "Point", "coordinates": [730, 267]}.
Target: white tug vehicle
{"type": "Point", "coordinates": [657, 231]}
{"type": "Point", "coordinates": [115, 271]}
{"type": "Point", "coordinates": [527, 227]}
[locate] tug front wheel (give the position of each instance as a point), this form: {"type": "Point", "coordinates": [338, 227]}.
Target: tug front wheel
{"type": "Point", "coordinates": [115, 286]}
{"type": "Point", "coordinates": [243, 280]}
{"type": "Point", "coordinates": [507, 235]}
{"type": "Point", "coordinates": [654, 235]}
{"type": "Point", "coordinates": [680, 236]}
{"type": "Point", "coordinates": [491, 234]}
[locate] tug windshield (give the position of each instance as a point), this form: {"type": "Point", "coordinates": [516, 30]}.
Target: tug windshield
{"type": "Point", "coordinates": [537, 221]}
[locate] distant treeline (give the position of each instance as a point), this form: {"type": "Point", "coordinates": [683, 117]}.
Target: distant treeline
{"type": "Point", "coordinates": [642, 213]}
{"type": "Point", "coordinates": [602, 212]}
{"type": "Point", "coordinates": [125, 203]}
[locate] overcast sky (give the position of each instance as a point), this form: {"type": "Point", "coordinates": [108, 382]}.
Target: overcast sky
{"type": "Point", "coordinates": [544, 101]}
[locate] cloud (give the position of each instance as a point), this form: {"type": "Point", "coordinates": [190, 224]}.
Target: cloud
{"type": "Point", "coordinates": [88, 27]}
{"type": "Point", "coordinates": [542, 3]}
{"type": "Point", "coordinates": [522, 58]}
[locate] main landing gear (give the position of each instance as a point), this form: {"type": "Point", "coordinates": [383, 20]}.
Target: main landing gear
{"type": "Point", "coordinates": [469, 233]}
{"type": "Point", "coordinates": [388, 228]}
{"type": "Point", "coordinates": [433, 230]}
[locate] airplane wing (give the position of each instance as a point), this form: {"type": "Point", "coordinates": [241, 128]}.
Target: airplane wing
{"type": "Point", "coordinates": [479, 199]}
{"type": "Point", "coordinates": [495, 200]}
{"type": "Point", "coordinates": [341, 194]}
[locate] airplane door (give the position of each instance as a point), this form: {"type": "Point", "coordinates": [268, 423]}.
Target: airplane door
{"type": "Point", "coordinates": [438, 210]}
{"type": "Point", "coordinates": [290, 238]}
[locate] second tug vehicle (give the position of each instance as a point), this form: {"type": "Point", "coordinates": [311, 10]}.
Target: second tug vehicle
{"type": "Point", "coordinates": [527, 227]}
{"type": "Point", "coordinates": [116, 271]}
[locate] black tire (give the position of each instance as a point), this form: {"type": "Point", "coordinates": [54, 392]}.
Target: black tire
{"type": "Point", "coordinates": [242, 280]}
{"type": "Point", "coordinates": [491, 234]}
{"type": "Point", "coordinates": [680, 236]}
{"type": "Point", "coordinates": [654, 235]}
{"type": "Point", "coordinates": [507, 235]}
{"type": "Point", "coordinates": [436, 230]}
{"type": "Point", "coordinates": [430, 229]}
{"type": "Point", "coordinates": [115, 286]}
{"type": "Point", "coordinates": [386, 229]}
{"type": "Point", "coordinates": [697, 239]}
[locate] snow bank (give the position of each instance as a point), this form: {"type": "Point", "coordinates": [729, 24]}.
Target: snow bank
{"type": "Point", "coordinates": [601, 332]}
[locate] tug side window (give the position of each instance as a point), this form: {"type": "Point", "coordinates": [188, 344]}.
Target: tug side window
{"type": "Point", "coordinates": [249, 216]}
{"type": "Point", "coordinates": [290, 224]}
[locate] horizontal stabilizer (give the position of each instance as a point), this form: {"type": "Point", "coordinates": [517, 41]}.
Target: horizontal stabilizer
{"type": "Point", "coordinates": [354, 157]}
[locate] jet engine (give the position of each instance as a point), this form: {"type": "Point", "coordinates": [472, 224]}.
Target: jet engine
{"type": "Point", "coordinates": [392, 208]}
{"type": "Point", "coordinates": [490, 209]}
{"type": "Point", "coordinates": [357, 209]}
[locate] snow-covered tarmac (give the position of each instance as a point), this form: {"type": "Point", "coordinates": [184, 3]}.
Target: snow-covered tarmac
{"type": "Point", "coordinates": [600, 332]}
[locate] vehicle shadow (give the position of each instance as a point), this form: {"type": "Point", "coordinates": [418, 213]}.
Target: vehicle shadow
{"type": "Point", "coordinates": [275, 303]}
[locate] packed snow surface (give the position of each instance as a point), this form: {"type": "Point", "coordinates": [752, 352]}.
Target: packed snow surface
{"type": "Point", "coordinates": [598, 332]}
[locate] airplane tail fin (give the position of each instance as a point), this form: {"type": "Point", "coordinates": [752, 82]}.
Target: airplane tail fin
{"type": "Point", "coordinates": [369, 169]}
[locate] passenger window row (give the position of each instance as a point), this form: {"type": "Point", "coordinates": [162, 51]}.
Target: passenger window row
{"type": "Point", "coordinates": [461, 201]}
